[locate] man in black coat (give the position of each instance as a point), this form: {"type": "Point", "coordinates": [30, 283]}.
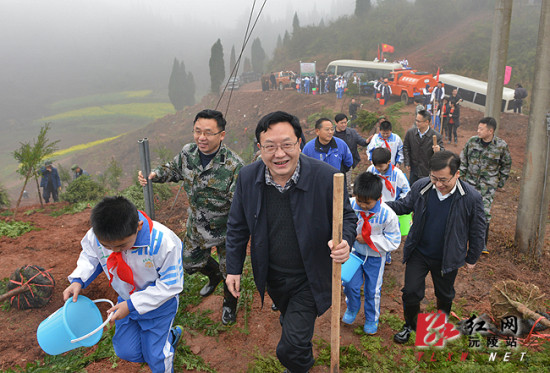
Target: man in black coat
{"type": "Point", "coordinates": [283, 203]}
{"type": "Point", "coordinates": [448, 231]}
{"type": "Point", "coordinates": [418, 146]}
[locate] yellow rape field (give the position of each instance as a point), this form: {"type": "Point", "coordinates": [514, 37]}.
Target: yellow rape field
{"type": "Point", "coordinates": [87, 145]}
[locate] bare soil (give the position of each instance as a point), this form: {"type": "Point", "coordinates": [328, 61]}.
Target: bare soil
{"type": "Point", "coordinates": [56, 245]}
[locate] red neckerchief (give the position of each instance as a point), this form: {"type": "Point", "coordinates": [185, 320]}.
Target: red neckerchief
{"type": "Point", "coordinates": [366, 229]}
{"type": "Point", "coordinates": [388, 184]}
{"type": "Point", "coordinates": [123, 270]}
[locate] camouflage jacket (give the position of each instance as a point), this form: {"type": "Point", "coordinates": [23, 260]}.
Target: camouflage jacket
{"type": "Point", "coordinates": [486, 168]}
{"type": "Point", "coordinates": [209, 190]}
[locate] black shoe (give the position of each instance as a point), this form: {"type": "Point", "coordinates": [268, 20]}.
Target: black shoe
{"type": "Point", "coordinates": [212, 270]}
{"type": "Point", "coordinates": [229, 310]}
{"type": "Point", "coordinates": [404, 335]}
{"type": "Point", "coordinates": [229, 315]}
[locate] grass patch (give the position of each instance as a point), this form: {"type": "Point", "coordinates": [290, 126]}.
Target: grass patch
{"type": "Point", "coordinates": [14, 228]}
{"type": "Point", "coordinates": [73, 208]}
{"type": "Point", "coordinates": [265, 364]}
{"type": "Point", "coordinates": [149, 110]}
{"type": "Point", "coordinates": [393, 321]}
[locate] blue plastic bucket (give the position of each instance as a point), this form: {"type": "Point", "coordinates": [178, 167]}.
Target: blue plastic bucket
{"type": "Point", "coordinates": [405, 222]}
{"type": "Point", "coordinates": [76, 324]}
{"type": "Point", "coordinates": [350, 267]}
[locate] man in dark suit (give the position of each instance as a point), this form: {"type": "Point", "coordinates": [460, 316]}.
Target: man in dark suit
{"type": "Point", "coordinates": [284, 204]}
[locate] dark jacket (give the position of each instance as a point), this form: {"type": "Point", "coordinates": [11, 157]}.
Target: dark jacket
{"type": "Point", "coordinates": [418, 151]}
{"type": "Point", "coordinates": [311, 204]}
{"type": "Point", "coordinates": [352, 139]}
{"type": "Point", "coordinates": [465, 223]}
{"type": "Point", "coordinates": [56, 181]}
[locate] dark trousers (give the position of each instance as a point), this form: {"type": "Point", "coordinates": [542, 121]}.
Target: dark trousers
{"type": "Point", "coordinates": [452, 131]}
{"type": "Point", "coordinates": [46, 194]}
{"type": "Point", "coordinates": [416, 270]}
{"type": "Point", "coordinates": [413, 176]}
{"type": "Point", "coordinates": [291, 293]}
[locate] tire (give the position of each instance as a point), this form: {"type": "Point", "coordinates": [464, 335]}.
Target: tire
{"type": "Point", "coordinates": [404, 97]}
{"type": "Point", "coordinates": [281, 86]}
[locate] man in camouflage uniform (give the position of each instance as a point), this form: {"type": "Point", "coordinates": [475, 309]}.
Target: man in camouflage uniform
{"type": "Point", "coordinates": [209, 172]}
{"type": "Point", "coordinates": [485, 164]}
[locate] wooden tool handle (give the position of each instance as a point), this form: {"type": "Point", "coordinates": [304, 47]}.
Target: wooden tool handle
{"type": "Point", "coordinates": [337, 222]}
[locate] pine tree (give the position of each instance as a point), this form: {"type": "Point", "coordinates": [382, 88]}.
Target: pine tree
{"type": "Point", "coordinates": [175, 85]}
{"type": "Point", "coordinates": [258, 56]}
{"type": "Point", "coordinates": [295, 23]}
{"type": "Point", "coordinates": [217, 66]}
{"type": "Point", "coordinates": [232, 62]}
{"type": "Point", "coordinates": [362, 7]}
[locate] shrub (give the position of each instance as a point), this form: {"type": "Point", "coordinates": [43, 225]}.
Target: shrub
{"type": "Point", "coordinates": [83, 189]}
{"type": "Point", "coordinates": [4, 197]}
{"type": "Point", "coordinates": [134, 193]}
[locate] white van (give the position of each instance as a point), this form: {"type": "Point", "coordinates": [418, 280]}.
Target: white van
{"type": "Point", "coordinates": [372, 70]}
{"type": "Point", "coordinates": [474, 92]}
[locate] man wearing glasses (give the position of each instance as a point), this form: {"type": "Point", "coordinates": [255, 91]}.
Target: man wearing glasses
{"type": "Point", "coordinates": [283, 204]}
{"type": "Point", "coordinates": [418, 146]}
{"type": "Point", "coordinates": [448, 232]}
{"type": "Point", "coordinates": [209, 172]}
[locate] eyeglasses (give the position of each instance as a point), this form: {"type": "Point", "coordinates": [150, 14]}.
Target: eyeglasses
{"type": "Point", "coordinates": [286, 147]}
{"type": "Point", "coordinates": [441, 180]}
{"type": "Point", "coordinates": [199, 133]}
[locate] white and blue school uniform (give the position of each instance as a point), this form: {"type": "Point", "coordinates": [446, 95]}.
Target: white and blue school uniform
{"type": "Point", "coordinates": [395, 147]}
{"type": "Point", "coordinates": [397, 179]}
{"type": "Point", "coordinates": [156, 262]}
{"type": "Point", "coordinates": [386, 237]}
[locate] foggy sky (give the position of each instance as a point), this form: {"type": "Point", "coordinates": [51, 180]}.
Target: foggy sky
{"type": "Point", "coordinates": [57, 49]}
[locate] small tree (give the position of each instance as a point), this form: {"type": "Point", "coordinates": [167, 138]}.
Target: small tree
{"type": "Point", "coordinates": [113, 174]}
{"type": "Point", "coordinates": [175, 85]}
{"type": "Point", "coordinates": [258, 56]}
{"type": "Point", "coordinates": [30, 156]}
{"type": "Point", "coordinates": [295, 23]}
{"type": "Point", "coordinates": [217, 66]}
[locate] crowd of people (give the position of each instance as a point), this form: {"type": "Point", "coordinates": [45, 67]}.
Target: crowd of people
{"type": "Point", "coordinates": [281, 205]}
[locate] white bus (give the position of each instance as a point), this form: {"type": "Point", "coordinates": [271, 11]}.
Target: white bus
{"type": "Point", "coordinates": [372, 70]}
{"type": "Point", "coordinates": [474, 92]}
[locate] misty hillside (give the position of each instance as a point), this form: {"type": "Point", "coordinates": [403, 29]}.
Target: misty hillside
{"type": "Point", "coordinates": [454, 36]}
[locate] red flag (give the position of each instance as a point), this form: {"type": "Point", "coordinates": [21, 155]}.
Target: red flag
{"type": "Point", "coordinates": [378, 52]}
{"type": "Point", "coordinates": [387, 48]}
{"type": "Point", "coordinates": [437, 76]}
{"type": "Point", "coordinates": [507, 74]}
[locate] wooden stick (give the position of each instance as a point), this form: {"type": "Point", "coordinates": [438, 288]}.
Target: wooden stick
{"type": "Point", "coordinates": [435, 140]}
{"type": "Point", "coordinates": [337, 222]}
{"type": "Point", "coordinates": [16, 291]}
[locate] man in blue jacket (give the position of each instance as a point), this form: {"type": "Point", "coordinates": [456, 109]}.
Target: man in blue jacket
{"type": "Point", "coordinates": [50, 182]}
{"type": "Point", "coordinates": [328, 148]}
{"type": "Point", "coordinates": [448, 231]}
{"type": "Point", "coordinates": [283, 203]}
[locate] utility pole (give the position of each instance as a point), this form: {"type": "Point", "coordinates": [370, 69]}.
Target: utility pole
{"type": "Point", "coordinates": [497, 59]}
{"type": "Point", "coordinates": [535, 189]}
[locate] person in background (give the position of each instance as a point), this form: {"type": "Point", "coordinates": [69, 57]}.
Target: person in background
{"type": "Point", "coordinates": [209, 172]}
{"type": "Point", "coordinates": [418, 146]}
{"type": "Point", "coordinates": [394, 182]}
{"type": "Point", "coordinates": [77, 171]}
{"type": "Point", "coordinates": [385, 92]}
{"type": "Point", "coordinates": [328, 148]}
{"type": "Point", "coordinates": [353, 107]}
{"type": "Point", "coordinates": [377, 235]}
{"type": "Point", "coordinates": [386, 138]}
{"type": "Point", "coordinates": [486, 164]}
{"type": "Point", "coordinates": [437, 96]}
{"type": "Point", "coordinates": [519, 94]}
{"type": "Point", "coordinates": [50, 183]}
{"type": "Point", "coordinates": [352, 140]}
{"type": "Point", "coordinates": [447, 233]}
{"type": "Point", "coordinates": [453, 122]}
{"type": "Point", "coordinates": [291, 257]}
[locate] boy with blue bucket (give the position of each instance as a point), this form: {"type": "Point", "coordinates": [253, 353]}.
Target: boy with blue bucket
{"type": "Point", "coordinates": [377, 234]}
{"type": "Point", "coordinates": [394, 182]}
{"type": "Point", "coordinates": [143, 261]}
